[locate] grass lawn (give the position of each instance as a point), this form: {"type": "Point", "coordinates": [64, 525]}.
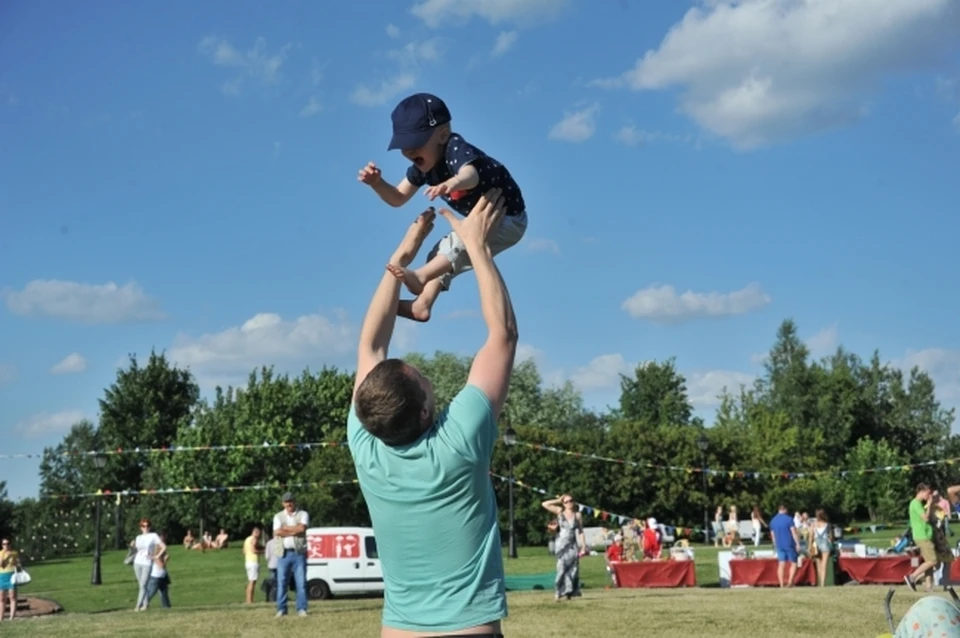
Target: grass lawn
{"type": "Point", "coordinates": [207, 594]}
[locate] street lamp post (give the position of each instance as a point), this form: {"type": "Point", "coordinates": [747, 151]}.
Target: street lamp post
{"type": "Point", "coordinates": [100, 460]}
{"type": "Point", "coordinates": [510, 439]}
{"type": "Point", "coordinates": [703, 443]}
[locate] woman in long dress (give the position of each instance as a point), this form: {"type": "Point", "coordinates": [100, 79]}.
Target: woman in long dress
{"type": "Point", "coordinates": [570, 544]}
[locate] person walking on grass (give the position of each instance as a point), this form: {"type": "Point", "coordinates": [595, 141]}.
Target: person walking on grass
{"type": "Point", "coordinates": [424, 473]}
{"type": "Point", "coordinates": [9, 562]}
{"type": "Point", "coordinates": [786, 542]}
{"type": "Point", "coordinates": [148, 545]}
{"type": "Point", "coordinates": [922, 532]}
{"type": "Point", "coordinates": [159, 578]}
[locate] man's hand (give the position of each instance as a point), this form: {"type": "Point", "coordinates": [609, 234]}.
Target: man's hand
{"type": "Point", "coordinates": [369, 174]}
{"type": "Point", "coordinates": [484, 217]}
{"type": "Point", "coordinates": [436, 191]}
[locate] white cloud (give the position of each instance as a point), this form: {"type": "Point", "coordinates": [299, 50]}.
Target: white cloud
{"type": "Point", "coordinates": [255, 63]}
{"type": "Point", "coordinates": [265, 339]}
{"type": "Point", "coordinates": [630, 135]}
{"type": "Point", "coordinates": [703, 388]}
{"type": "Point", "coordinates": [527, 352]}
{"type": "Point", "coordinates": [312, 108]}
{"type": "Point", "coordinates": [232, 87]}
{"type": "Point", "coordinates": [662, 304]}
{"type": "Point", "coordinates": [71, 364]}
{"type": "Point", "coordinates": [578, 126]}
{"type": "Point", "coordinates": [798, 67]}
{"type": "Point", "coordinates": [504, 43]}
{"type": "Point", "coordinates": [942, 365]}
{"type": "Point", "coordinates": [413, 53]}
{"type": "Point", "coordinates": [405, 337]}
{"type": "Point", "coordinates": [316, 72]}
{"type": "Point", "coordinates": [541, 245]}
{"type": "Point", "coordinates": [824, 342]}
{"type": "Point", "coordinates": [602, 372]}
{"type": "Point", "coordinates": [46, 424]}
{"type": "Point", "coordinates": [434, 13]}
{"type": "Point", "coordinates": [393, 31]}
{"type": "Point", "coordinates": [366, 96]}
{"type": "Point", "coordinates": [8, 372]}
{"type": "Point", "coordinates": [85, 303]}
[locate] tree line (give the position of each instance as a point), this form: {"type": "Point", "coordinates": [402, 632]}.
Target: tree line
{"type": "Point", "coordinates": [800, 416]}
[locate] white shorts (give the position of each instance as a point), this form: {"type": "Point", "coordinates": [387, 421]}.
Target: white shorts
{"type": "Point", "coordinates": [253, 571]}
{"type": "Point", "coordinates": [509, 233]}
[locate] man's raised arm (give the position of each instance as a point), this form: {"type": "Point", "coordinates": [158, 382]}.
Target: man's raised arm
{"type": "Point", "coordinates": [381, 315]}
{"type": "Point", "coordinates": [493, 363]}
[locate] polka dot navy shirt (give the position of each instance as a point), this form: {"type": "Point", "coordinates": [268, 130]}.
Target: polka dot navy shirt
{"type": "Point", "coordinates": [492, 174]}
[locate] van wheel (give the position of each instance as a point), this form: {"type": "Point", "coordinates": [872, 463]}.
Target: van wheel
{"type": "Point", "coordinates": [318, 590]}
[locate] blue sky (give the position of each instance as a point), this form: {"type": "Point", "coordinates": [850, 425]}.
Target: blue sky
{"type": "Point", "coordinates": [185, 179]}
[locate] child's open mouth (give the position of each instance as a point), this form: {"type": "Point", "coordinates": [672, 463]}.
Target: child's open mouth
{"type": "Point", "coordinates": [418, 161]}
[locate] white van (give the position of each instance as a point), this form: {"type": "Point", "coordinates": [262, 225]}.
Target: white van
{"type": "Point", "coordinates": [342, 560]}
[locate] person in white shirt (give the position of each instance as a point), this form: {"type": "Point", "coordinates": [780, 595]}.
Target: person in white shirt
{"type": "Point", "coordinates": [290, 528]}
{"type": "Point", "coordinates": [148, 545]}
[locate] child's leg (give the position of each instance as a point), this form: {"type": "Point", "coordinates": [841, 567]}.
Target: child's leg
{"type": "Point", "coordinates": [415, 280]}
{"type": "Point", "coordinates": [448, 259]}
{"type": "Point", "coordinates": [419, 309]}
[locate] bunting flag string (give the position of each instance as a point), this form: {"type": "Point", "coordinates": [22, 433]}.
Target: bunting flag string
{"type": "Point", "coordinates": [193, 490]}
{"type": "Point", "coordinates": [184, 448]}
{"type": "Point", "coordinates": [602, 514]}
{"type": "Point", "coordinates": [774, 474]}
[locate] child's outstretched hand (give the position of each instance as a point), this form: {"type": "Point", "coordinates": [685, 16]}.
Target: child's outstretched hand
{"type": "Point", "coordinates": [435, 191]}
{"type": "Point", "coordinates": [369, 174]}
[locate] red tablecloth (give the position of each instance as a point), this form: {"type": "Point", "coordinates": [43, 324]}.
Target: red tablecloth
{"type": "Point", "coordinates": [656, 573]}
{"type": "Point", "coordinates": [877, 570]}
{"type": "Point", "coordinates": [762, 572]}
{"type": "Point", "coordinates": [955, 570]}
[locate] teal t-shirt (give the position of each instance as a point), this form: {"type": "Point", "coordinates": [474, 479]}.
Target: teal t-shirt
{"type": "Point", "coordinates": [434, 515]}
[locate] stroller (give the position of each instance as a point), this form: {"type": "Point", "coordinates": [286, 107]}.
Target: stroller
{"type": "Point", "coordinates": [929, 616]}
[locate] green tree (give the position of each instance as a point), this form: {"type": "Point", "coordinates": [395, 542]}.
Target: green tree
{"type": "Point", "coordinates": [7, 522]}
{"type": "Point", "coordinates": [881, 495]}
{"type": "Point", "coordinates": [656, 394]}
{"type": "Point", "coordinates": [145, 407]}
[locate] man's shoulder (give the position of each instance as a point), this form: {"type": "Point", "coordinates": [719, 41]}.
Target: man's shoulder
{"type": "Point", "coordinates": [470, 401]}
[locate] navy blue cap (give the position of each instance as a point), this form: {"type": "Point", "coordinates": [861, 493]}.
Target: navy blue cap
{"type": "Point", "coordinates": [414, 120]}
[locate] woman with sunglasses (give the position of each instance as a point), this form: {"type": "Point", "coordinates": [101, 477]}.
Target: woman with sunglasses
{"type": "Point", "coordinates": [570, 544]}
{"type": "Point", "coordinates": [9, 562]}
{"type": "Point", "coordinates": [148, 546]}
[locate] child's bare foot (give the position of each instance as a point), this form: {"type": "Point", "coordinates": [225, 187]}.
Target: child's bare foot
{"type": "Point", "coordinates": [410, 278]}
{"type": "Point", "coordinates": [413, 309]}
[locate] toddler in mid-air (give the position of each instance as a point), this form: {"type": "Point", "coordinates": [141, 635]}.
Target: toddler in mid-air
{"type": "Point", "coordinates": [460, 174]}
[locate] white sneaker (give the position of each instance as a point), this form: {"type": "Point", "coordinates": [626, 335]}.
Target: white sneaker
{"type": "Point", "coordinates": [281, 614]}
{"type": "Point", "coordinates": [302, 613]}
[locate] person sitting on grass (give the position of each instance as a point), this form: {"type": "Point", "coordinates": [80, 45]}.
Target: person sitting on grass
{"type": "Point", "coordinates": [188, 540]}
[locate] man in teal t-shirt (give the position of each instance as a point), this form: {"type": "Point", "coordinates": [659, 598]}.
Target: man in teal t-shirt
{"type": "Point", "coordinates": [922, 532]}
{"type": "Point", "coordinates": [425, 476]}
